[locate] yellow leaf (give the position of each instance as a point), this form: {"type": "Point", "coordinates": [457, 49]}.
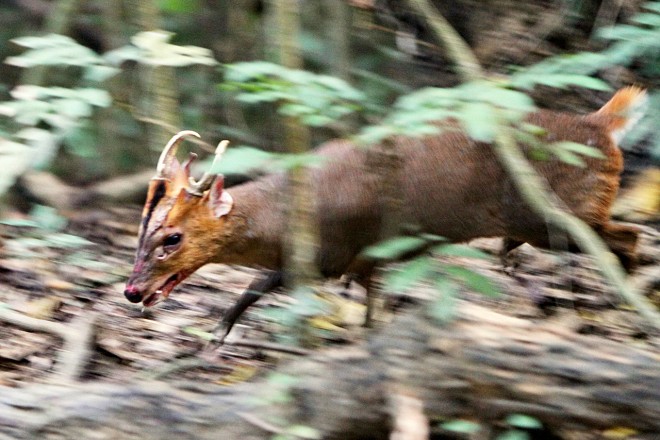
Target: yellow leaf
{"type": "Point", "coordinates": [42, 308]}
{"type": "Point", "coordinates": [324, 323]}
{"type": "Point", "coordinates": [641, 201]}
{"type": "Point", "coordinates": [239, 374]}
{"type": "Point", "coordinates": [619, 432]}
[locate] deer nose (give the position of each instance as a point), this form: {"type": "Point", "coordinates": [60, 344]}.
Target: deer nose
{"type": "Point", "coordinates": [133, 294]}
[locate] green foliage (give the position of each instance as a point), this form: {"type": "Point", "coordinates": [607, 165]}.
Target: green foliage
{"type": "Point", "coordinates": [443, 308]}
{"type": "Point", "coordinates": [637, 42]}
{"type": "Point", "coordinates": [315, 100]}
{"type": "Point", "coordinates": [478, 106]}
{"type": "Point", "coordinates": [306, 304]}
{"type": "Point", "coordinates": [43, 229]}
{"type": "Point", "coordinates": [60, 108]}
{"type": "Point", "coordinates": [298, 432]}
{"type": "Point", "coordinates": [461, 426]}
{"type": "Point", "coordinates": [409, 274]}
{"type": "Point", "coordinates": [16, 158]}
{"type": "Point", "coordinates": [444, 277]}
{"type": "Point", "coordinates": [249, 160]}
{"type": "Point", "coordinates": [153, 48]}
{"type": "Point", "coordinates": [523, 421]}
{"type": "Point", "coordinates": [60, 50]}
{"type": "Point", "coordinates": [568, 152]}
{"type": "Point", "coordinates": [38, 119]}
{"type": "Point", "coordinates": [394, 248]}
{"type": "Point", "coordinates": [631, 42]}
{"type": "Point", "coordinates": [179, 6]}
{"type": "Point", "coordinates": [520, 425]}
{"type": "Point", "coordinates": [513, 434]}
{"type": "Point", "coordinates": [475, 281]}
{"type": "Point", "coordinates": [531, 77]}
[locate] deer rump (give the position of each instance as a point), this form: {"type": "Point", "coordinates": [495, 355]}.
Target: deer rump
{"type": "Point", "coordinates": [448, 184]}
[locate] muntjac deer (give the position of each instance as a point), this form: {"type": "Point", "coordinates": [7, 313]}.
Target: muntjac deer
{"type": "Point", "coordinates": [450, 186]}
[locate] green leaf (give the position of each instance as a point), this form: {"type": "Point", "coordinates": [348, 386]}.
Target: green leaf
{"type": "Point", "coordinates": [394, 248]}
{"type": "Point", "coordinates": [461, 426]}
{"type": "Point", "coordinates": [66, 241]}
{"type": "Point", "coordinates": [523, 421]}
{"type": "Point", "coordinates": [568, 157]}
{"type": "Point", "coordinates": [621, 32]}
{"type": "Point", "coordinates": [562, 81]}
{"type": "Point", "coordinates": [48, 218]}
{"type": "Point", "coordinates": [648, 19]}
{"type": "Point", "coordinates": [475, 281]}
{"type": "Point", "coordinates": [479, 120]}
{"type": "Point", "coordinates": [375, 134]}
{"type": "Point", "coordinates": [243, 160]}
{"type": "Point", "coordinates": [16, 158]}
{"type": "Point", "coordinates": [199, 333]}
{"type": "Point", "coordinates": [443, 308]}
{"type": "Point", "coordinates": [304, 432]}
{"type": "Point", "coordinates": [179, 6]}
{"type": "Point", "coordinates": [652, 6]}
{"type": "Point", "coordinates": [403, 278]}
{"type": "Point", "coordinates": [292, 161]}
{"type": "Point", "coordinates": [317, 120]}
{"type": "Point", "coordinates": [575, 147]}
{"type": "Point", "coordinates": [100, 73]}
{"type": "Point", "coordinates": [461, 250]}
{"type": "Point", "coordinates": [22, 223]}
{"type": "Point", "coordinates": [535, 130]}
{"type": "Point", "coordinates": [73, 108]}
{"type": "Point", "coordinates": [513, 434]}
{"type": "Point", "coordinates": [282, 379]}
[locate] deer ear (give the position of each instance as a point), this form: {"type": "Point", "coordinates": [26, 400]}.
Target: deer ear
{"type": "Point", "coordinates": [220, 201]}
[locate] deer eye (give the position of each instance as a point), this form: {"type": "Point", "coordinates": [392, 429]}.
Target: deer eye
{"type": "Point", "coordinates": [172, 241]}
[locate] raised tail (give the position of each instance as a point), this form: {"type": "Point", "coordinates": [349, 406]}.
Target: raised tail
{"type": "Point", "coordinates": [626, 107]}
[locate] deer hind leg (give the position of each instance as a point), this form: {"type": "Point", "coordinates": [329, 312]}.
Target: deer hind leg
{"type": "Point", "coordinates": [622, 241]}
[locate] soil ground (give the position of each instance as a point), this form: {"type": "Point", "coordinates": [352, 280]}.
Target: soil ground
{"type": "Point", "coordinates": [57, 277]}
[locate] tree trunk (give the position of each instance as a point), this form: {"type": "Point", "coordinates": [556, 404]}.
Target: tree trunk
{"type": "Point", "coordinates": [483, 366]}
{"type": "Point", "coordinates": [302, 240]}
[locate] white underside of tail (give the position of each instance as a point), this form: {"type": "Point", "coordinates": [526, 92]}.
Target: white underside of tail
{"type": "Point", "coordinates": [633, 114]}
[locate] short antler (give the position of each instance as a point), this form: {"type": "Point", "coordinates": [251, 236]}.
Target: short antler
{"type": "Point", "coordinates": [197, 187]}
{"type": "Point", "coordinates": [163, 169]}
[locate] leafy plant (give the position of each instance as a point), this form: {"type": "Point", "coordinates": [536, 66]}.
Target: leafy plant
{"type": "Point", "coordinates": [306, 304]}
{"type": "Point", "coordinates": [316, 100]}
{"type": "Point", "coordinates": [637, 42]}
{"type": "Point", "coordinates": [154, 48]}
{"type": "Point", "coordinates": [60, 50]}
{"type": "Point", "coordinates": [39, 118]}
{"type": "Point", "coordinates": [249, 160]}
{"type": "Point", "coordinates": [43, 229]}
{"type": "Point", "coordinates": [472, 105]}
{"type": "Point", "coordinates": [461, 426]}
{"type": "Point", "coordinates": [446, 278]}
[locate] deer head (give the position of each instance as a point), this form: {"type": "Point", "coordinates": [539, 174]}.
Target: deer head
{"type": "Point", "coordinates": [178, 214]}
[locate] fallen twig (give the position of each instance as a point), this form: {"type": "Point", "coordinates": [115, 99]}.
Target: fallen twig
{"type": "Point", "coordinates": [77, 336]}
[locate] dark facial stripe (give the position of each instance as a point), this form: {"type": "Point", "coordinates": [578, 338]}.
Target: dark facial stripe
{"type": "Point", "coordinates": [159, 193]}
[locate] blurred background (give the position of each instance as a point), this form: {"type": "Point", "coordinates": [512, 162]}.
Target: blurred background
{"type": "Point", "coordinates": [88, 94]}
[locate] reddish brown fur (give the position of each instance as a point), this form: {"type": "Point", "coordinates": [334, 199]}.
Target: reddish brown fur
{"type": "Point", "coordinates": [451, 186]}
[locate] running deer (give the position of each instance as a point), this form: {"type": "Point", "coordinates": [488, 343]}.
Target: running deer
{"type": "Point", "coordinates": [450, 186]}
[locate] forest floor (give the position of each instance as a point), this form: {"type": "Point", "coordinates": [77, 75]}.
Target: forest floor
{"type": "Point", "coordinates": [57, 276]}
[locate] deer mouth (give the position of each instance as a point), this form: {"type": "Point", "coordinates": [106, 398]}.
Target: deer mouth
{"type": "Point", "coordinates": [164, 291]}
